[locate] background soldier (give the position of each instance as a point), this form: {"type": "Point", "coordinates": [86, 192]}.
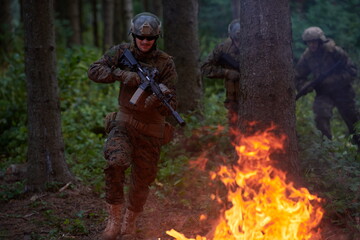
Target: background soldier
{"type": "Point", "coordinates": [321, 57]}
{"type": "Point", "coordinates": [223, 63]}
{"type": "Point", "coordinates": [135, 132]}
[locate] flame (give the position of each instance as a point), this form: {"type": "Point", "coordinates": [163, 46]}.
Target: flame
{"type": "Point", "coordinates": [264, 205]}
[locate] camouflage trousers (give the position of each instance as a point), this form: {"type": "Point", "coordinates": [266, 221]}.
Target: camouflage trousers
{"type": "Point", "coordinates": [126, 147]}
{"type": "Point", "coordinates": [345, 103]}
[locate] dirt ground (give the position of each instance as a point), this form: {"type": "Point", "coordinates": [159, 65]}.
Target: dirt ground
{"type": "Point", "coordinates": [78, 213]}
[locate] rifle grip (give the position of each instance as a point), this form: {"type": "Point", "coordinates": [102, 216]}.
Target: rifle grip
{"type": "Point", "coordinates": [136, 96]}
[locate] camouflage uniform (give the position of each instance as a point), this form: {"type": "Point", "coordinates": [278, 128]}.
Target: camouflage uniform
{"type": "Point", "coordinates": [136, 133]}
{"type": "Point", "coordinates": [216, 67]}
{"type": "Point", "coordinates": [336, 89]}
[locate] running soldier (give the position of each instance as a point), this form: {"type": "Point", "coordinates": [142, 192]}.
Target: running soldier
{"type": "Point", "coordinates": [324, 59]}
{"type": "Point", "coordinates": [136, 132]}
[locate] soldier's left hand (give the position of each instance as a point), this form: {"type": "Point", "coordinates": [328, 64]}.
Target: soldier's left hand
{"type": "Point", "coordinates": [152, 101]}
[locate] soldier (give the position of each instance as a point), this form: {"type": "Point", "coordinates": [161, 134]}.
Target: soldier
{"type": "Point", "coordinates": [136, 132]}
{"type": "Point", "coordinates": [322, 56]}
{"type": "Point", "coordinates": [223, 63]}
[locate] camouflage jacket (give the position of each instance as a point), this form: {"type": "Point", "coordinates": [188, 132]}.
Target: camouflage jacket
{"type": "Point", "coordinates": [321, 62]}
{"type": "Point", "coordinates": [214, 66]}
{"type": "Point", "coordinates": [101, 71]}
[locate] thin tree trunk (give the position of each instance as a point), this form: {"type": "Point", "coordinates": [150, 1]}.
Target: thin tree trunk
{"type": "Point", "coordinates": [5, 30]}
{"type": "Point", "coordinates": [108, 18]}
{"type": "Point", "coordinates": [118, 27]}
{"type": "Point", "coordinates": [127, 16]}
{"type": "Point", "coordinates": [75, 22]}
{"type": "Point", "coordinates": [46, 161]}
{"type": "Point", "coordinates": [95, 23]}
{"type": "Point", "coordinates": [267, 84]}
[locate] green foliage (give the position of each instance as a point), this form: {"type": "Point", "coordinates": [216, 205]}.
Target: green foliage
{"type": "Point", "coordinates": [338, 19]}
{"type": "Point", "coordinates": [11, 191]}
{"type": "Point", "coordinates": [332, 168]}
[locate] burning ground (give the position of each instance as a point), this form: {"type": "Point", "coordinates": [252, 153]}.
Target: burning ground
{"type": "Point", "coordinates": [213, 200]}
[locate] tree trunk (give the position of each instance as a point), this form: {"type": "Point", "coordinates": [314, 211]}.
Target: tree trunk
{"type": "Point", "coordinates": [118, 26]}
{"type": "Point", "coordinates": [108, 18]}
{"type": "Point", "coordinates": [267, 73]}
{"type": "Point", "coordinates": [128, 14]}
{"type": "Point", "coordinates": [46, 162]}
{"type": "Point", "coordinates": [75, 22]}
{"type": "Point", "coordinates": [181, 41]}
{"type": "Point", "coordinates": [5, 30]}
{"type": "Point", "coordinates": [95, 28]}
{"type": "Point", "coordinates": [235, 4]}
{"type": "Point", "coordinates": [153, 6]}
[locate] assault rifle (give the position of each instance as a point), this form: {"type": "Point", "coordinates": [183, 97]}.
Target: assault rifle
{"type": "Point", "coordinates": [227, 60]}
{"type": "Point", "coordinates": [147, 83]}
{"type": "Point", "coordinates": [311, 85]}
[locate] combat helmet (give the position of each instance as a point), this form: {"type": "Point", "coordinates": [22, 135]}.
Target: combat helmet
{"type": "Point", "coordinates": [234, 29]}
{"type": "Point", "coordinates": [314, 33]}
{"type": "Point", "coordinates": [145, 24]}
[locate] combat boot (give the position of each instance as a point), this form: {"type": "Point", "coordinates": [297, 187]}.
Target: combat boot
{"type": "Point", "coordinates": [113, 225]}
{"type": "Point", "coordinates": [128, 223]}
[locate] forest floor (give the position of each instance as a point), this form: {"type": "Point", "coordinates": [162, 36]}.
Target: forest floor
{"type": "Point", "coordinates": [77, 212]}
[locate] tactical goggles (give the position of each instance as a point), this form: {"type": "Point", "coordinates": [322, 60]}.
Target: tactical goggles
{"type": "Point", "coordinates": [149, 38]}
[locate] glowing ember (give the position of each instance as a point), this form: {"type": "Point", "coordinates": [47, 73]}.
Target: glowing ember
{"type": "Point", "coordinates": [264, 205]}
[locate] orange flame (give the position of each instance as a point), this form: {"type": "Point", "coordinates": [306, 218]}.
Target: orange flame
{"type": "Point", "coordinates": [264, 206]}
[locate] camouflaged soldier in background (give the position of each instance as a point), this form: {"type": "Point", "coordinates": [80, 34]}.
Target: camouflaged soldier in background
{"type": "Point", "coordinates": [336, 89]}
{"type": "Point", "coordinates": [223, 63]}
{"type": "Point", "coordinates": [135, 132]}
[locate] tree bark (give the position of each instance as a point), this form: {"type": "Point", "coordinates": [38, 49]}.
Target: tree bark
{"type": "Point", "coordinates": [5, 30]}
{"type": "Point", "coordinates": [128, 14]}
{"type": "Point", "coordinates": [75, 22]}
{"type": "Point", "coordinates": [118, 26]}
{"type": "Point", "coordinates": [267, 75]}
{"type": "Point", "coordinates": [45, 158]}
{"type": "Point", "coordinates": [235, 4]}
{"type": "Point", "coordinates": [95, 23]}
{"type": "Point", "coordinates": [108, 19]}
{"type": "Point", "coordinates": [181, 41]}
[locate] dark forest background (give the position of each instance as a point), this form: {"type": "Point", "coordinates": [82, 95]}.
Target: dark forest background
{"type": "Point", "coordinates": [330, 168]}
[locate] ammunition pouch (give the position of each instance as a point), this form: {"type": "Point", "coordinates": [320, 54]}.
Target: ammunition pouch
{"type": "Point", "coordinates": [110, 121]}
{"type": "Point", "coordinates": [149, 129]}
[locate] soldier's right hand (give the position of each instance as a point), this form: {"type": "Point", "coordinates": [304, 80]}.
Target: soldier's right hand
{"type": "Point", "coordinates": [232, 75]}
{"type": "Point", "coordinates": [130, 79]}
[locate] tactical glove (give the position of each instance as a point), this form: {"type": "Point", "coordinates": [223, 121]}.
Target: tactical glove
{"type": "Point", "coordinates": [130, 79]}
{"type": "Point", "coordinates": [153, 101]}
{"type": "Point", "coordinates": [232, 75]}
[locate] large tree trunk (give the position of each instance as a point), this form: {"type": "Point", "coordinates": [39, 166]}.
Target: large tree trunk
{"type": "Point", "coordinates": [108, 19]}
{"type": "Point", "coordinates": [267, 73]}
{"type": "Point", "coordinates": [46, 162]}
{"type": "Point", "coordinates": [181, 41]}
